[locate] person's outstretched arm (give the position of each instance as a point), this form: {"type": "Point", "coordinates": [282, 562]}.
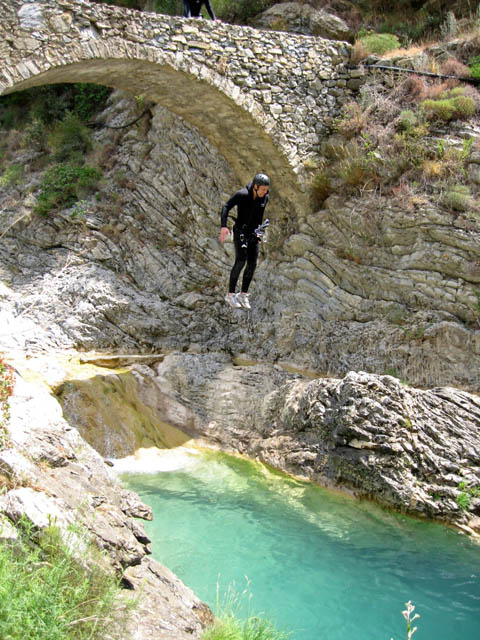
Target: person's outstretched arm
{"type": "Point", "coordinates": [225, 231]}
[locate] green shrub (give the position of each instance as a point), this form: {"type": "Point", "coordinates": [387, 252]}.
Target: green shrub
{"type": "Point", "coordinates": [464, 106]}
{"type": "Point", "coordinates": [450, 105]}
{"type": "Point", "coordinates": [474, 64]}
{"type": "Point", "coordinates": [45, 593]}
{"type": "Point", "coordinates": [12, 175]}
{"type": "Point", "coordinates": [449, 28]}
{"type": "Point", "coordinates": [457, 198]}
{"type": "Point", "coordinates": [64, 184]}
{"type": "Point", "coordinates": [463, 501]}
{"type": "Point", "coordinates": [380, 43]}
{"type": "Point", "coordinates": [89, 99]}
{"type": "Point", "coordinates": [8, 117]}
{"type": "Point", "coordinates": [35, 135]}
{"type": "Point", "coordinates": [438, 109]}
{"type": "Point", "coordinates": [407, 120]}
{"type": "Point", "coordinates": [421, 27]}
{"type": "Point", "coordinates": [51, 103]}
{"type": "Point", "coordinates": [358, 169]}
{"type": "Point", "coordinates": [70, 138]}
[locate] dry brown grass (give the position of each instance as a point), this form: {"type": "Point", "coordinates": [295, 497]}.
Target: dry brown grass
{"type": "Point", "coordinates": [354, 120]}
{"type": "Point", "coordinates": [359, 52]}
{"type": "Point", "coordinates": [453, 67]}
{"type": "Point", "coordinates": [434, 91]}
{"type": "Point", "coordinates": [407, 53]}
{"type": "Point", "coordinates": [412, 88]}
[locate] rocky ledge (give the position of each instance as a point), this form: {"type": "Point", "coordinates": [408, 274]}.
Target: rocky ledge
{"type": "Point", "coordinates": [415, 450]}
{"type": "Point", "coordinates": [48, 473]}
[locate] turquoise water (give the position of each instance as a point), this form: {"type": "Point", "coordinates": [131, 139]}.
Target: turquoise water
{"type": "Point", "coordinates": [321, 565]}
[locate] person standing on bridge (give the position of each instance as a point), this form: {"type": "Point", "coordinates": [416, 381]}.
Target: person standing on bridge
{"type": "Point", "coordinates": [250, 202]}
{"type": "Point", "coordinates": [192, 8]}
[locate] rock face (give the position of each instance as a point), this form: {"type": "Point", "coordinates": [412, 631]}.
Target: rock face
{"type": "Point", "coordinates": [414, 450]}
{"type": "Point", "coordinates": [303, 18]}
{"type": "Point", "coordinates": [52, 475]}
{"type": "Point", "coordinates": [381, 284]}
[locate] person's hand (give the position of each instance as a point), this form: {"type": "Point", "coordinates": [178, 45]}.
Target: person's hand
{"type": "Point", "coordinates": [224, 232]}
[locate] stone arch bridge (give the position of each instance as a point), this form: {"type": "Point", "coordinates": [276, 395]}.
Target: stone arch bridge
{"type": "Point", "coordinates": [260, 97]}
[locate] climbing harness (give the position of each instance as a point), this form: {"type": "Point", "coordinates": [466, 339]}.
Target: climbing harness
{"type": "Point", "coordinates": [258, 233]}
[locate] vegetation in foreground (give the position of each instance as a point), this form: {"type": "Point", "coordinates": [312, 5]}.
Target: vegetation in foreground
{"type": "Point", "coordinates": [47, 594]}
{"type": "Point", "coordinates": [231, 625]}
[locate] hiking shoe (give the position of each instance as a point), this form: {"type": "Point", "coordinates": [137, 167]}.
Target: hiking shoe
{"type": "Point", "coordinates": [231, 298]}
{"type": "Point", "coordinates": [242, 298]}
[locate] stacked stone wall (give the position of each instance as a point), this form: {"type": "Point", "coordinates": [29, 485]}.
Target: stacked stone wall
{"type": "Point", "coordinates": [289, 83]}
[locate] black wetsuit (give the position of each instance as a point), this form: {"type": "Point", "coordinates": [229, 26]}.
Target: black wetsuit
{"type": "Point", "coordinates": [192, 8]}
{"type": "Point", "coordinates": [249, 216]}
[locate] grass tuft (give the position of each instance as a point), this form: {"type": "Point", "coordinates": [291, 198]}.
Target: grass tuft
{"type": "Point", "coordinates": [46, 594]}
{"type": "Point", "coordinates": [229, 625]}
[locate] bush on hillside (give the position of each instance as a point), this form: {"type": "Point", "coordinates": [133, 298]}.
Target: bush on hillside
{"type": "Point", "coordinates": [453, 67]}
{"type": "Point", "coordinates": [458, 198]}
{"type": "Point", "coordinates": [12, 176]}
{"type": "Point", "coordinates": [420, 26]}
{"type": "Point", "coordinates": [451, 105]}
{"type": "Point", "coordinates": [380, 43]}
{"type": "Point", "coordinates": [51, 103]}
{"type": "Point", "coordinates": [35, 136]}
{"type": "Point", "coordinates": [474, 65]}
{"type": "Point", "coordinates": [70, 138]}
{"type": "Point", "coordinates": [321, 187]}
{"type": "Point", "coordinates": [64, 184]}
{"type": "Point", "coordinates": [407, 120]}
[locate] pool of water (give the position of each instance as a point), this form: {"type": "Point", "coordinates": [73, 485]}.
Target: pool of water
{"type": "Point", "coordinates": [321, 565]}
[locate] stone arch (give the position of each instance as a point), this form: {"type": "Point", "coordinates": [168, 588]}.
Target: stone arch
{"type": "Point", "coordinates": [239, 136]}
{"type": "Point", "coordinates": [259, 97]}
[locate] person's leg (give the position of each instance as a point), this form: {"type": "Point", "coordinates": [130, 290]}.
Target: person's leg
{"type": "Point", "coordinates": [252, 255]}
{"type": "Point", "coordinates": [186, 9]}
{"type": "Point", "coordinates": [240, 259]}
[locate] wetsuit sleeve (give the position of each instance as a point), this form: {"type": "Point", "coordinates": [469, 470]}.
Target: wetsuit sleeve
{"type": "Point", "coordinates": [226, 208]}
{"type": "Point", "coordinates": [187, 13]}
{"type": "Point", "coordinates": [208, 7]}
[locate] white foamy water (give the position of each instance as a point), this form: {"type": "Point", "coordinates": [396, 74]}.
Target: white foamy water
{"type": "Point", "coordinates": [154, 460]}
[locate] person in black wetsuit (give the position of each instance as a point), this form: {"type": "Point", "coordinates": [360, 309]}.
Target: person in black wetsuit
{"type": "Point", "coordinates": [192, 8]}
{"type": "Point", "coordinates": [250, 202]}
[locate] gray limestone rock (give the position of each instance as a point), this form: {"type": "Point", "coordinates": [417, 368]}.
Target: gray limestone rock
{"type": "Point", "coordinates": [407, 448]}
{"type": "Point", "coordinates": [362, 284]}
{"type": "Point", "coordinates": [303, 18]}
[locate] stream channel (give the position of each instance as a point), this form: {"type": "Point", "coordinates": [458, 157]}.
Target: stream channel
{"type": "Point", "coordinates": [319, 564]}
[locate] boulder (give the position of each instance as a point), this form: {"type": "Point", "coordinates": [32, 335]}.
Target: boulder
{"type": "Point", "coordinates": [303, 18]}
